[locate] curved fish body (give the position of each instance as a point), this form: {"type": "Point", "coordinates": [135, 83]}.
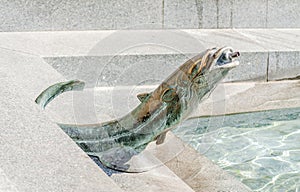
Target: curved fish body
{"type": "Point", "coordinates": [115, 142]}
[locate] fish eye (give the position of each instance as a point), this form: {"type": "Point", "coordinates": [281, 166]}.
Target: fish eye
{"type": "Point", "coordinates": [225, 56]}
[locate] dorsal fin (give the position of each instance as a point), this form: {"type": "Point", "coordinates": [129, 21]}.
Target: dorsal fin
{"type": "Point", "coordinates": [143, 96]}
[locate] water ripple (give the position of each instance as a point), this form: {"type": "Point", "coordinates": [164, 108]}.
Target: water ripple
{"type": "Point", "coordinates": [261, 149]}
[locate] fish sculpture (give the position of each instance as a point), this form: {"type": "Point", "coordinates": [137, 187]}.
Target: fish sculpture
{"type": "Point", "coordinates": [116, 142]}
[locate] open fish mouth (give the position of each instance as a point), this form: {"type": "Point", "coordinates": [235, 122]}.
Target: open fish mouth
{"type": "Point", "coordinates": [227, 58]}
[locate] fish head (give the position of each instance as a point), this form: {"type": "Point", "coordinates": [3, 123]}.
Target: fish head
{"type": "Point", "coordinates": [208, 68]}
{"type": "Point", "coordinates": [223, 59]}
{"type": "Point", "coordinates": [180, 93]}
{"type": "Point", "coordinates": [212, 66]}
{"type": "Point", "coordinates": [215, 59]}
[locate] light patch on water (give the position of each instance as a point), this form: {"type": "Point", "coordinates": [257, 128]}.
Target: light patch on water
{"type": "Point", "coordinates": [261, 149]}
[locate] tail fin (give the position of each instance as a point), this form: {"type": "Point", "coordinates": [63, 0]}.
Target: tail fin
{"type": "Point", "coordinates": [54, 90]}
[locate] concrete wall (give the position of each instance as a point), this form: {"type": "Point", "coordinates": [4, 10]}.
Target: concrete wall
{"type": "Point", "coordinates": [35, 15]}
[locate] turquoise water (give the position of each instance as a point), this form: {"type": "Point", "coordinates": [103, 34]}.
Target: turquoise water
{"type": "Point", "coordinates": [261, 149]}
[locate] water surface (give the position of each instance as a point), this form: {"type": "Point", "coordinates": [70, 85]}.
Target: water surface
{"type": "Point", "coordinates": [261, 149]}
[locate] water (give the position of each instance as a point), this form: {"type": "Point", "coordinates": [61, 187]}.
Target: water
{"type": "Point", "coordinates": [261, 149]}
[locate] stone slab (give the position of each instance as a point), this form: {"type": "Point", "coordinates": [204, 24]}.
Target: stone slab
{"type": "Point", "coordinates": [231, 98]}
{"type": "Point", "coordinates": [158, 179]}
{"type": "Point", "coordinates": [253, 67]}
{"type": "Point", "coordinates": [224, 14]}
{"type": "Point", "coordinates": [189, 165]}
{"type": "Point", "coordinates": [273, 39]}
{"type": "Point", "coordinates": [142, 69]}
{"type": "Point", "coordinates": [35, 153]}
{"type": "Point", "coordinates": [53, 15]}
{"type": "Point", "coordinates": [209, 14]}
{"type": "Point", "coordinates": [250, 13]}
{"type": "Point", "coordinates": [147, 42]}
{"type": "Point", "coordinates": [279, 17]}
{"type": "Point", "coordinates": [31, 73]}
{"type": "Point", "coordinates": [284, 65]}
{"type": "Point", "coordinates": [200, 173]}
{"type": "Point", "coordinates": [91, 56]}
{"type": "Point", "coordinates": [181, 14]}
{"type": "Point", "coordinates": [232, 14]}
{"type": "Point", "coordinates": [218, 14]}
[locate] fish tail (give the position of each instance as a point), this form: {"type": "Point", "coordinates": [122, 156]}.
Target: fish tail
{"type": "Point", "coordinates": [54, 90]}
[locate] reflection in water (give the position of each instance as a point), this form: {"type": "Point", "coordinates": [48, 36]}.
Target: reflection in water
{"type": "Point", "coordinates": [261, 149]}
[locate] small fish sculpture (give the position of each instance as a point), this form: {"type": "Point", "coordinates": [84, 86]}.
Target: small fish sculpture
{"type": "Point", "coordinates": [116, 142]}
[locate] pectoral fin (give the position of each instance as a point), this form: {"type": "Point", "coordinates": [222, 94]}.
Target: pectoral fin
{"type": "Point", "coordinates": [161, 138]}
{"type": "Point", "coordinates": [142, 96]}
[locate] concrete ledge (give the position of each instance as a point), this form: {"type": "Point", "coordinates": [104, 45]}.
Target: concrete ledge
{"type": "Point", "coordinates": [231, 98]}
{"type": "Point", "coordinates": [158, 179]}
{"type": "Point", "coordinates": [284, 65]}
{"type": "Point", "coordinates": [142, 69]}
{"type": "Point", "coordinates": [35, 154]}
{"type": "Point", "coordinates": [200, 173]}
{"type": "Point", "coordinates": [195, 170]}
{"type": "Point", "coordinates": [113, 58]}
{"type": "Point", "coordinates": [147, 42]}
